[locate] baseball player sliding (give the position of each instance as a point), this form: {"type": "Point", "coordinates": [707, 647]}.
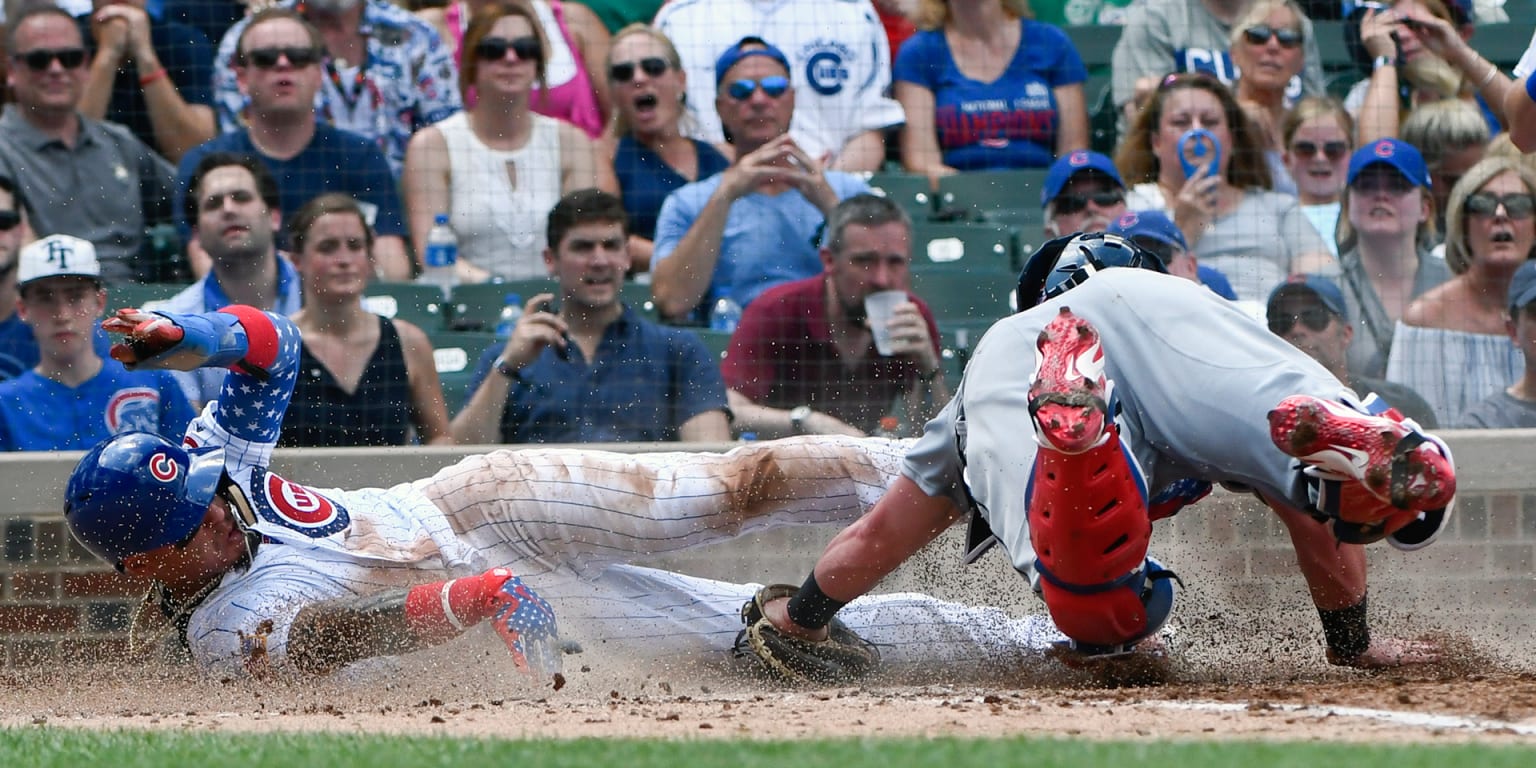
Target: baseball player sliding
{"type": "Point", "coordinates": [1141, 390]}
{"type": "Point", "coordinates": [257, 574]}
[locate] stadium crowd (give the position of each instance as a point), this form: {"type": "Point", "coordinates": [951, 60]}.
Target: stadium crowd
{"type": "Point", "coordinates": [708, 219]}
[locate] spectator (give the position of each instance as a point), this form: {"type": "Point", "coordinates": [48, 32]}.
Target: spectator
{"type": "Point", "coordinates": [277, 67]}
{"type": "Point", "coordinates": [1311, 313]}
{"type": "Point", "coordinates": [1422, 43]}
{"type": "Point", "coordinates": [653, 157]}
{"type": "Point", "coordinates": [577, 47]}
{"type": "Point", "coordinates": [803, 360]}
{"type": "Point", "coordinates": [842, 66]}
{"type": "Point", "coordinates": [498, 168]}
{"type": "Point", "coordinates": [1082, 193]}
{"type": "Point", "coordinates": [387, 73]}
{"type": "Point", "coordinates": [164, 96]}
{"type": "Point", "coordinates": [1154, 231]}
{"type": "Point", "coordinates": [210, 17]}
{"type": "Point", "coordinates": [1172, 36]}
{"type": "Point", "coordinates": [984, 87]}
{"type": "Point", "coordinates": [1318, 136]}
{"type": "Point", "coordinates": [363, 379]}
{"type": "Point", "coordinates": [752, 226]}
{"type": "Point", "coordinates": [74, 398]}
{"type": "Point", "coordinates": [592, 370]}
{"type": "Point", "coordinates": [1452, 344]}
{"type": "Point", "coordinates": [1515, 406]}
{"type": "Point", "coordinates": [1266, 49]}
{"type": "Point", "coordinates": [1387, 226]}
{"type": "Point", "coordinates": [1453, 137]}
{"type": "Point", "coordinates": [92, 178]}
{"type": "Point", "coordinates": [18, 349]}
{"type": "Point", "coordinates": [233, 201]}
{"type": "Point", "coordinates": [1231, 218]}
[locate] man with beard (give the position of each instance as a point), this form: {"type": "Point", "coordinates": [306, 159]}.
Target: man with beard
{"type": "Point", "coordinates": [804, 360]}
{"type": "Point", "coordinates": [1420, 53]}
{"type": "Point", "coordinates": [234, 201]}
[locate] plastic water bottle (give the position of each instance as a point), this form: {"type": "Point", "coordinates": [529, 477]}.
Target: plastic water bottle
{"type": "Point", "coordinates": [511, 312]}
{"type": "Point", "coordinates": [442, 253]}
{"type": "Point", "coordinates": [725, 316]}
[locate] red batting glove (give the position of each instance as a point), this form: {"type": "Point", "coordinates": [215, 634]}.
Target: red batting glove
{"type": "Point", "coordinates": [145, 335]}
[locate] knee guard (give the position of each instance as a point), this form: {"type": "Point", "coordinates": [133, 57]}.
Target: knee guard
{"type": "Point", "coordinates": [1090, 529]}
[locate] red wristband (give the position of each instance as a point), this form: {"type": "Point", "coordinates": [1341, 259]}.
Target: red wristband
{"type": "Point", "coordinates": [444, 609]}
{"type": "Point", "coordinates": [152, 76]}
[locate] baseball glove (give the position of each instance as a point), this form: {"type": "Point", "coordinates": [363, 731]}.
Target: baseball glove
{"type": "Point", "coordinates": [841, 658]}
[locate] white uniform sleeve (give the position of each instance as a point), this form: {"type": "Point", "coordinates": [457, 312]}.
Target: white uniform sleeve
{"type": "Point", "coordinates": [1527, 63]}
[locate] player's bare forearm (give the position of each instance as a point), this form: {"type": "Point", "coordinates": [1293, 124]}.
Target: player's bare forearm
{"type": "Point", "coordinates": [901, 523]}
{"type": "Point", "coordinates": [332, 634]}
{"type": "Point", "coordinates": [1335, 572]}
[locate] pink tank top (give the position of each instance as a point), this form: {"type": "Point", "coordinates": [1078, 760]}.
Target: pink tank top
{"type": "Point", "coordinates": [570, 96]}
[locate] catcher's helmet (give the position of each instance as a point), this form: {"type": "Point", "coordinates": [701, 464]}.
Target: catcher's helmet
{"type": "Point", "coordinates": [138, 492]}
{"type": "Point", "coordinates": [1063, 263]}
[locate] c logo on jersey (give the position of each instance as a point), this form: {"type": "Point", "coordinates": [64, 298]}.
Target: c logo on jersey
{"type": "Point", "coordinates": [133, 409]}
{"type": "Point", "coordinates": [163, 468]}
{"type": "Point", "coordinates": [826, 65]}
{"type": "Point", "coordinates": [298, 508]}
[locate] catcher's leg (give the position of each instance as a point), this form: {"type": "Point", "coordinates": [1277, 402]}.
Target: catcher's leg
{"type": "Point", "coordinates": [1087, 500]}
{"type": "Point", "coordinates": [541, 509]}
{"type": "Point", "coordinates": [1373, 472]}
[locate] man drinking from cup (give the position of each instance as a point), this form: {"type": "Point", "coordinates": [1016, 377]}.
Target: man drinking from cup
{"type": "Point", "coordinates": [829, 354]}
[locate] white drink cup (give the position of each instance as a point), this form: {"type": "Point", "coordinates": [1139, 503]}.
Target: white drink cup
{"type": "Point", "coordinates": [878, 307]}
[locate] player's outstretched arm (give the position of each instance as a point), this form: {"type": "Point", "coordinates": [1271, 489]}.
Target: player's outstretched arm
{"type": "Point", "coordinates": [1336, 578]}
{"type": "Point", "coordinates": [333, 633]}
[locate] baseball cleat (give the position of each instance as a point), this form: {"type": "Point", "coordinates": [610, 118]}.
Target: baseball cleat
{"type": "Point", "coordinates": [1067, 397]}
{"type": "Point", "coordinates": [1392, 459]}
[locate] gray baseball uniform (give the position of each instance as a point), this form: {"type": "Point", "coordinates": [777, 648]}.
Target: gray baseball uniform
{"type": "Point", "coordinates": [1195, 378]}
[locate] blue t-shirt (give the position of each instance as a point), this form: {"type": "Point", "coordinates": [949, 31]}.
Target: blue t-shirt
{"type": "Point", "coordinates": [767, 239]}
{"type": "Point", "coordinates": [334, 161]}
{"type": "Point", "coordinates": [187, 56]}
{"type": "Point", "coordinates": [646, 381]}
{"type": "Point", "coordinates": [1007, 123]}
{"type": "Point", "coordinates": [40, 414]}
{"type": "Point", "coordinates": [646, 180]}
{"type": "Point", "coordinates": [18, 347]}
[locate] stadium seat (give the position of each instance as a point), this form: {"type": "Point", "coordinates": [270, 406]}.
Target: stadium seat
{"type": "Point", "coordinates": [963, 247]}
{"type": "Point", "coordinates": [475, 306]}
{"type": "Point", "coordinates": [455, 354]}
{"type": "Point", "coordinates": [957, 339]}
{"type": "Point", "coordinates": [141, 295]}
{"type": "Point", "coordinates": [1095, 43]}
{"type": "Point", "coordinates": [912, 192]}
{"type": "Point", "coordinates": [977, 192]}
{"type": "Point", "coordinates": [714, 341]}
{"type": "Point", "coordinates": [965, 296]}
{"type": "Point", "coordinates": [420, 305]}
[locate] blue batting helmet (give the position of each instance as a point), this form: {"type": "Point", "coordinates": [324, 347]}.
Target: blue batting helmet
{"type": "Point", "coordinates": [1063, 263]}
{"type": "Point", "coordinates": [138, 492]}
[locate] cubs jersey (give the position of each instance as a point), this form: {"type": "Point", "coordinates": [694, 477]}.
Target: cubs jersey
{"type": "Point", "coordinates": [40, 414]}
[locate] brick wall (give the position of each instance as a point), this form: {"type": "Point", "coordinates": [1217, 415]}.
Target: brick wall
{"type": "Point", "coordinates": [57, 602]}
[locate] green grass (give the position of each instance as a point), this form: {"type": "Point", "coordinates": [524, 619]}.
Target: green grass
{"type": "Point", "coordinates": [65, 748]}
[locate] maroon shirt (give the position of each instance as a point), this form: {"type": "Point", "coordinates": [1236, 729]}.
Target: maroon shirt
{"type": "Point", "coordinates": [782, 356]}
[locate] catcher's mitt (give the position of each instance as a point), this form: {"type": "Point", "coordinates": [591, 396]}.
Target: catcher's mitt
{"type": "Point", "coordinates": [841, 658]}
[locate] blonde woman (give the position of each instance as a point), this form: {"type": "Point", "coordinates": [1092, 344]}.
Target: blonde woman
{"type": "Point", "coordinates": [1267, 48]}
{"type": "Point", "coordinates": [1318, 136]}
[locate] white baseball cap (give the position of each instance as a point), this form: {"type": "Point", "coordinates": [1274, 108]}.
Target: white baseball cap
{"type": "Point", "coordinates": [57, 256]}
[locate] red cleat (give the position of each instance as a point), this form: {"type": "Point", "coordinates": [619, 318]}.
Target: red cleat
{"type": "Point", "coordinates": [1067, 397]}
{"type": "Point", "coordinates": [1392, 460]}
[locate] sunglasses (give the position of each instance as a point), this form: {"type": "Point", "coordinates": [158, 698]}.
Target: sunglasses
{"type": "Point", "coordinates": [1259, 34]}
{"type": "Point", "coordinates": [268, 58]}
{"type": "Point", "coordinates": [1070, 204]}
{"type": "Point", "coordinates": [9, 220]}
{"type": "Point", "coordinates": [1517, 205]}
{"type": "Point", "coordinates": [624, 71]}
{"type": "Point", "coordinates": [39, 59]}
{"type": "Point", "coordinates": [1163, 251]}
{"type": "Point", "coordinates": [1314, 318]}
{"type": "Point", "coordinates": [527, 48]}
{"type": "Point", "coordinates": [1391, 182]}
{"type": "Point", "coordinates": [773, 86]}
{"type": "Point", "coordinates": [1333, 150]}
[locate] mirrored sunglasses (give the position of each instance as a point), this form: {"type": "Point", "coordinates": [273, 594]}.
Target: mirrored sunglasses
{"type": "Point", "coordinates": [1517, 205]}
{"type": "Point", "coordinates": [1333, 150]}
{"type": "Point", "coordinates": [527, 48]}
{"type": "Point", "coordinates": [1314, 318]}
{"type": "Point", "coordinates": [39, 59]}
{"type": "Point", "coordinates": [773, 85]}
{"type": "Point", "coordinates": [1259, 34]}
{"type": "Point", "coordinates": [624, 71]}
{"type": "Point", "coordinates": [268, 58]}
{"type": "Point", "coordinates": [1070, 204]}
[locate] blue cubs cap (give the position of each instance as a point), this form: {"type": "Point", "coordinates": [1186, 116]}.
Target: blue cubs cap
{"type": "Point", "coordinates": [1074, 162]}
{"type": "Point", "coordinates": [1402, 156]}
{"type": "Point", "coordinates": [1153, 224]}
{"type": "Point", "coordinates": [1321, 288]}
{"type": "Point", "coordinates": [1522, 287]}
{"type": "Point", "coordinates": [735, 54]}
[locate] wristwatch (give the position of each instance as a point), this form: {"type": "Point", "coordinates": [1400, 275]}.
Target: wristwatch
{"type": "Point", "coordinates": [797, 417]}
{"type": "Point", "coordinates": [1383, 61]}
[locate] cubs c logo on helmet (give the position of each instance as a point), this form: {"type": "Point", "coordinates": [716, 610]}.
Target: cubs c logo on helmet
{"type": "Point", "coordinates": [298, 508]}
{"type": "Point", "coordinates": [163, 468]}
